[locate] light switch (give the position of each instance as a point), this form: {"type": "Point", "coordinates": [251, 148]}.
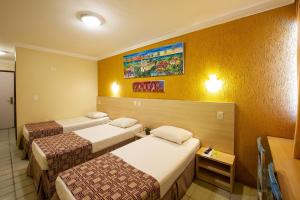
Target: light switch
{"type": "Point", "coordinates": [53, 69]}
{"type": "Point", "coordinates": [220, 115]}
{"type": "Point", "coordinates": [134, 103]}
{"type": "Point", "coordinates": [139, 103]}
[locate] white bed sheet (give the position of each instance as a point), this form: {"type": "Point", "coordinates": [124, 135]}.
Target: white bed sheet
{"type": "Point", "coordinates": [73, 124]}
{"type": "Point", "coordinates": [78, 123]}
{"type": "Point", "coordinates": [101, 137]}
{"type": "Point", "coordinates": [163, 160]}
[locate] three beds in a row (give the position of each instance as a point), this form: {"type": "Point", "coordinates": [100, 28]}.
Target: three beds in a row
{"type": "Point", "coordinates": [107, 162]}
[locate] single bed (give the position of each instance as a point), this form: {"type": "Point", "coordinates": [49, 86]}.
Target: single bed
{"type": "Point", "coordinates": [53, 154]}
{"type": "Point", "coordinates": [171, 164]}
{"type": "Point", "coordinates": [49, 128]}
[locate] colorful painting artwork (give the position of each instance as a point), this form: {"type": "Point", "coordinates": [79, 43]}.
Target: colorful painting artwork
{"type": "Point", "coordinates": [149, 86]}
{"type": "Point", "coordinates": [162, 61]}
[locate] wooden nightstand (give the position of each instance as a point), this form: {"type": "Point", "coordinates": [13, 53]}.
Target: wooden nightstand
{"type": "Point", "coordinates": [140, 135]}
{"type": "Point", "coordinates": [217, 169]}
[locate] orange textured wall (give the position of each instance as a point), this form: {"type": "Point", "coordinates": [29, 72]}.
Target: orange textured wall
{"type": "Point", "coordinates": [256, 59]}
{"type": "Point", "coordinates": [297, 131]}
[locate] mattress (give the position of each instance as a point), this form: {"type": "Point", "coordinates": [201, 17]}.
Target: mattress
{"type": "Point", "coordinates": [161, 159]}
{"type": "Point", "coordinates": [101, 137]}
{"type": "Point", "coordinates": [73, 124]}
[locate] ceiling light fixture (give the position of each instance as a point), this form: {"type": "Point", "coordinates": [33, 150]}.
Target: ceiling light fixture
{"type": "Point", "coordinates": [2, 53]}
{"type": "Point", "coordinates": [91, 20]}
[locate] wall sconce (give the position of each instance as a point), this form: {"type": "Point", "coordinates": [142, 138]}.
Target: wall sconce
{"type": "Point", "coordinates": [213, 84]}
{"type": "Point", "coordinates": [115, 88]}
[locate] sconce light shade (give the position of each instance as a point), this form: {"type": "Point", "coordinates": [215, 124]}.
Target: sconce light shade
{"type": "Point", "coordinates": [115, 88]}
{"type": "Point", "coordinates": [213, 84]}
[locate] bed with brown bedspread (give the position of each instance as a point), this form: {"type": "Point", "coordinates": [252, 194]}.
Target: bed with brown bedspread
{"type": "Point", "coordinates": [62, 152]}
{"type": "Point", "coordinates": [133, 171]}
{"type": "Point", "coordinates": [109, 177]}
{"type": "Point", "coordinates": [39, 130]}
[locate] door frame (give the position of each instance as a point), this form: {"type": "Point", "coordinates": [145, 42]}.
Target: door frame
{"type": "Point", "coordinates": [15, 97]}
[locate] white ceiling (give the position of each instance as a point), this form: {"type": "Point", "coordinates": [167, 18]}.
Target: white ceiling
{"type": "Point", "coordinates": [52, 25]}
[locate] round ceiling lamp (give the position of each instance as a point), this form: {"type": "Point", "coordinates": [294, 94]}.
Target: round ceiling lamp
{"type": "Point", "coordinates": [91, 19]}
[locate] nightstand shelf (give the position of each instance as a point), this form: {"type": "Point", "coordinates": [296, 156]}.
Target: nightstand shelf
{"type": "Point", "coordinates": [140, 135]}
{"type": "Point", "coordinates": [217, 169]}
{"type": "Point", "coordinates": [215, 179]}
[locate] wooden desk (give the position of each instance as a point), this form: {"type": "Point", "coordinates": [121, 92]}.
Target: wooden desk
{"type": "Point", "coordinates": [286, 167]}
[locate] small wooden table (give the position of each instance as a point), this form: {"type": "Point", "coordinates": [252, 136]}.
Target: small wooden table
{"type": "Point", "coordinates": [286, 167]}
{"type": "Point", "coordinates": [217, 169]}
{"type": "Point", "coordinates": [140, 135]}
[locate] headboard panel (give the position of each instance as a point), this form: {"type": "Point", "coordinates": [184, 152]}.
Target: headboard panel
{"type": "Point", "coordinates": [197, 117]}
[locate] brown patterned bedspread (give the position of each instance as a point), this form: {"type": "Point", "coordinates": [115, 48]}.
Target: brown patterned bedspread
{"type": "Point", "coordinates": [63, 151]}
{"type": "Point", "coordinates": [109, 177]}
{"type": "Point", "coordinates": [43, 129]}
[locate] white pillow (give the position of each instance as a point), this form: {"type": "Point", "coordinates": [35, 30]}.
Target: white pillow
{"type": "Point", "coordinates": [171, 133]}
{"type": "Point", "coordinates": [123, 122]}
{"type": "Point", "coordinates": [96, 115]}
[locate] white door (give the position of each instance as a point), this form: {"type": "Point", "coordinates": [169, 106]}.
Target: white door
{"type": "Point", "coordinates": [6, 100]}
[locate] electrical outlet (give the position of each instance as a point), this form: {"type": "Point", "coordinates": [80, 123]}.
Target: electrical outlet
{"type": "Point", "coordinates": [220, 115]}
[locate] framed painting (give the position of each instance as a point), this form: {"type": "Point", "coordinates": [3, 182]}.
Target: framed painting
{"type": "Point", "coordinates": [148, 86]}
{"type": "Point", "coordinates": [162, 61]}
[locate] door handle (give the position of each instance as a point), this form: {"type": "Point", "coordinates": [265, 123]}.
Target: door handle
{"type": "Point", "coordinates": [11, 100]}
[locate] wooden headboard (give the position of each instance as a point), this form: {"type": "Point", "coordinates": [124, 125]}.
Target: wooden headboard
{"type": "Point", "coordinates": [198, 117]}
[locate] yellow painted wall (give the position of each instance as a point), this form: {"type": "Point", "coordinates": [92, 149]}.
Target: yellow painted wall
{"type": "Point", "coordinates": [254, 56]}
{"type": "Point", "coordinates": [66, 86]}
